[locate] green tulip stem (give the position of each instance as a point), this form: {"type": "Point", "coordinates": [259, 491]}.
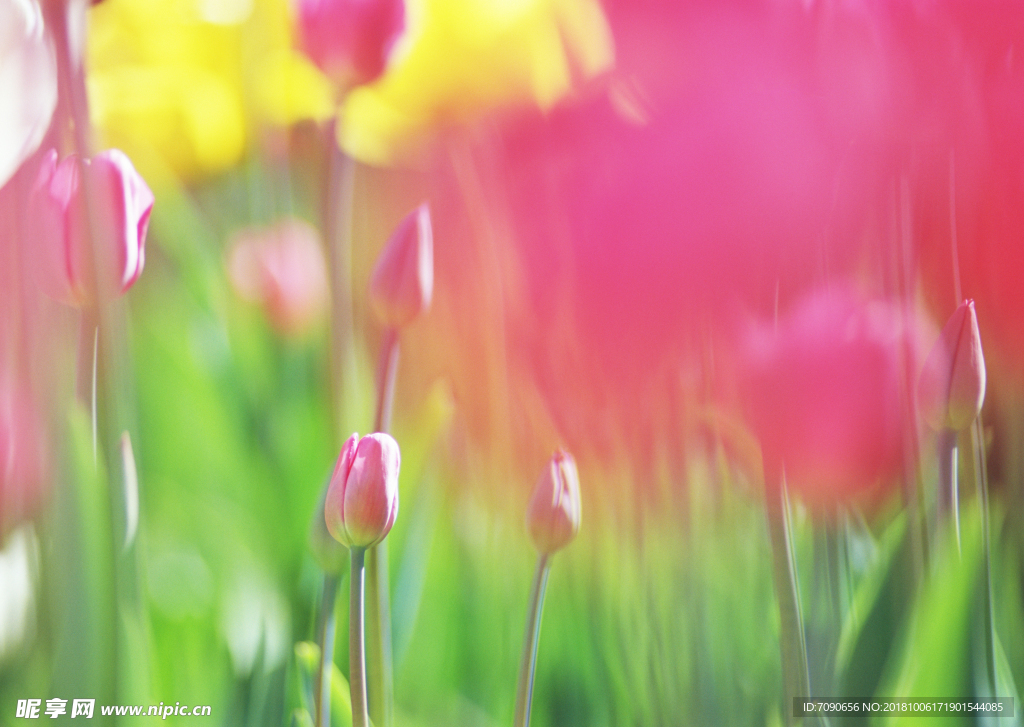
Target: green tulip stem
{"type": "Point", "coordinates": [528, 663]}
{"type": "Point", "coordinates": [60, 18]}
{"type": "Point", "coordinates": [339, 189]}
{"type": "Point", "coordinates": [387, 373]}
{"type": "Point", "coordinates": [977, 445]}
{"type": "Point", "coordinates": [85, 386]}
{"type": "Point", "coordinates": [948, 495]}
{"type": "Point", "coordinates": [325, 636]}
{"type": "Point", "coordinates": [356, 642]}
{"type": "Point", "coordinates": [378, 615]}
{"type": "Point", "coordinates": [792, 642]}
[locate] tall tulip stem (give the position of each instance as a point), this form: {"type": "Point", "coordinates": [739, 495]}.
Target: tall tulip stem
{"type": "Point", "coordinates": [88, 343]}
{"type": "Point", "coordinates": [378, 615]}
{"type": "Point", "coordinates": [387, 373]}
{"type": "Point", "coordinates": [981, 477]}
{"type": "Point", "coordinates": [337, 223]}
{"type": "Point", "coordinates": [356, 643]}
{"type": "Point", "coordinates": [948, 495]}
{"type": "Point", "coordinates": [325, 635]}
{"type": "Point", "coordinates": [528, 662]}
{"type": "Point", "coordinates": [792, 642]}
{"type": "Point", "coordinates": [61, 18]}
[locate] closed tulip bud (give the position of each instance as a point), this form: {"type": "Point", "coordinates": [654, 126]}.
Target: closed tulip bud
{"type": "Point", "coordinates": [350, 40]}
{"type": "Point", "coordinates": [952, 384]}
{"type": "Point", "coordinates": [402, 283]}
{"type": "Point", "coordinates": [121, 203]}
{"type": "Point", "coordinates": [553, 516]}
{"type": "Point", "coordinates": [362, 499]}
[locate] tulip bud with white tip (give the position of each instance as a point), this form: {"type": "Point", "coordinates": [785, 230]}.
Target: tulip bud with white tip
{"type": "Point", "coordinates": [553, 516]}
{"type": "Point", "coordinates": [951, 388]}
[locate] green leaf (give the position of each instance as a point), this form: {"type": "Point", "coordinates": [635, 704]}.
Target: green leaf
{"type": "Point", "coordinates": [301, 681]}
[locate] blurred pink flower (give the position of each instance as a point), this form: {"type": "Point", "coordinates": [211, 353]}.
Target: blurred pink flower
{"type": "Point", "coordinates": [362, 499]}
{"type": "Point", "coordinates": [281, 268]}
{"type": "Point", "coordinates": [825, 393]}
{"type": "Point", "coordinates": [122, 202]}
{"type": "Point", "coordinates": [402, 282]}
{"type": "Point", "coordinates": [23, 462]}
{"type": "Point", "coordinates": [28, 83]}
{"type": "Point", "coordinates": [350, 40]}
{"type": "Point", "coordinates": [723, 173]}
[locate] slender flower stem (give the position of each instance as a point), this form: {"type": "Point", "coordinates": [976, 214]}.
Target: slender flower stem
{"type": "Point", "coordinates": [528, 663]}
{"type": "Point", "coordinates": [85, 386]}
{"type": "Point", "coordinates": [337, 231]}
{"type": "Point", "coordinates": [337, 224]}
{"type": "Point", "coordinates": [378, 615]}
{"type": "Point", "coordinates": [948, 499]}
{"type": "Point", "coordinates": [356, 644]}
{"type": "Point", "coordinates": [59, 18]}
{"type": "Point", "coordinates": [791, 639]}
{"type": "Point", "coordinates": [325, 636]}
{"type": "Point", "coordinates": [387, 373]}
{"type": "Point", "coordinates": [981, 477]}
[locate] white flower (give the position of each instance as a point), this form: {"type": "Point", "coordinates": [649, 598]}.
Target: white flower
{"type": "Point", "coordinates": [28, 83]}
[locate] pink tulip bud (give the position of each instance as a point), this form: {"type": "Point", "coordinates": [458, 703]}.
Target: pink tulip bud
{"type": "Point", "coordinates": [553, 516]}
{"type": "Point", "coordinates": [350, 40]}
{"type": "Point", "coordinates": [122, 203]}
{"type": "Point", "coordinates": [952, 384]}
{"type": "Point", "coordinates": [281, 268]}
{"type": "Point", "coordinates": [362, 499]}
{"type": "Point", "coordinates": [402, 283]}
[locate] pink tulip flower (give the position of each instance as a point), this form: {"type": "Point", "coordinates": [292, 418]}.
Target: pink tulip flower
{"type": "Point", "coordinates": [362, 498]}
{"type": "Point", "coordinates": [824, 393]}
{"type": "Point", "coordinates": [281, 268]}
{"type": "Point", "coordinates": [122, 203]}
{"type": "Point", "coordinates": [350, 40]}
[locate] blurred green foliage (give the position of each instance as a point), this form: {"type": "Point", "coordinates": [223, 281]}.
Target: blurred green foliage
{"type": "Point", "coordinates": [659, 614]}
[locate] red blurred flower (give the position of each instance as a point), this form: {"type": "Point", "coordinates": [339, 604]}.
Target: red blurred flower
{"type": "Point", "coordinates": [350, 40]}
{"type": "Point", "coordinates": [962, 155]}
{"type": "Point", "coordinates": [723, 172]}
{"type": "Point", "coordinates": [362, 499]}
{"type": "Point", "coordinates": [282, 268]}
{"type": "Point", "coordinates": [825, 394]}
{"type": "Point", "coordinates": [122, 203]}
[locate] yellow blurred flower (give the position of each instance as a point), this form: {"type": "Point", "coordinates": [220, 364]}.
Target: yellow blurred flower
{"type": "Point", "coordinates": [181, 84]}
{"type": "Point", "coordinates": [462, 58]}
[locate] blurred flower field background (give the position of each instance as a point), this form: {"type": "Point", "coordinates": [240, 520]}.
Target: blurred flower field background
{"type": "Point", "coordinates": [755, 264]}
